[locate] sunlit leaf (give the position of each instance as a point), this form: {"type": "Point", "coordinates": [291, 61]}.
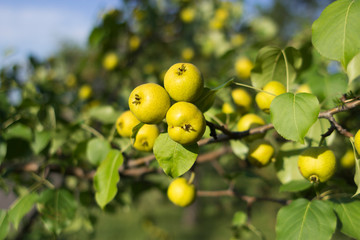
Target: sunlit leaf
{"type": "Point", "coordinates": [293, 114]}
{"type": "Point", "coordinates": [175, 159]}
{"type": "Point", "coordinates": [18, 130]}
{"type": "Point", "coordinates": [96, 150]}
{"type": "Point", "coordinates": [107, 177]}
{"type": "Point", "coordinates": [353, 68]}
{"type": "Point", "coordinates": [105, 114]}
{"type": "Point", "coordinates": [239, 148]}
{"type": "Point", "coordinates": [286, 163]}
{"type": "Point", "coordinates": [273, 63]}
{"type": "Point", "coordinates": [330, 87]}
{"type": "Point", "coordinates": [335, 34]}
{"type": "Point", "coordinates": [4, 224]}
{"type": "Point", "coordinates": [239, 219]}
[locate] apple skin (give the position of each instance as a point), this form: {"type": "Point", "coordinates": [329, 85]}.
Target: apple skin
{"type": "Point", "coordinates": [149, 103]}
{"type": "Point", "coordinates": [264, 99]}
{"type": "Point", "coordinates": [181, 193]}
{"type": "Point", "coordinates": [260, 153]}
{"type": "Point", "coordinates": [184, 82]}
{"type": "Point", "coordinates": [145, 138]}
{"type": "Point", "coordinates": [186, 123]}
{"type": "Point", "coordinates": [125, 123]}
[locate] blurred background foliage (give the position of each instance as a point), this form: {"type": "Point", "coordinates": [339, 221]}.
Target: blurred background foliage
{"type": "Point", "coordinates": [51, 108]}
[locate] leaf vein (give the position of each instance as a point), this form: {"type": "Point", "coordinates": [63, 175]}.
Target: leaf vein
{"type": "Point", "coordinates": [303, 220]}
{"type": "Point", "coordinates": [345, 26]}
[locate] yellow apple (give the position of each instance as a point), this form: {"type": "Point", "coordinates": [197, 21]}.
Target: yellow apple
{"type": "Point", "coordinates": [125, 123]}
{"type": "Point", "coordinates": [261, 153]}
{"type": "Point", "coordinates": [145, 138]}
{"type": "Point", "coordinates": [181, 193]}
{"type": "Point", "coordinates": [186, 123]}
{"type": "Point", "coordinates": [242, 99]}
{"type": "Point", "coordinates": [149, 103]}
{"type": "Point", "coordinates": [183, 82]}
{"type": "Point", "coordinates": [249, 121]}
{"type": "Point", "coordinates": [271, 90]}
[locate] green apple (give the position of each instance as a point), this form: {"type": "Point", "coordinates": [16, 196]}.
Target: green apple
{"type": "Point", "coordinates": [186, 123]}
{"type": "Point", "coordinates": [149, 103]}
{"type": "Point", "coordinates": [183, 82]}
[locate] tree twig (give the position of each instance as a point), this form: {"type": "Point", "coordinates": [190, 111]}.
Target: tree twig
{"type": "Point", "coordinates": [246, 198]}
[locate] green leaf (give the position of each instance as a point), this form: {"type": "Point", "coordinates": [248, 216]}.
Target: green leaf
{"type": "Point", "coordinates": [21, 207]}
{"type": "Point", "coordinates": [57, 141]}
{"type": "Point", "coordinates": [105, 114]}
{"type": "Point", "coordinates": [107, 177]}
{"type": "Point", "coordinates": [175, 159]}
{"type": "Point", "coordinates": [240, 149]}
{"type": "Point", "coordinates": [319, 127]}
{"type": "Point", "coordinates": [295, 186]}
{"type": "Point", "coordinates": [41, 141]}
{"type": "Point", "coordinates": [348, 212]}
{"type": "Point", "coordinates": [287, 162]}
{"type": "Point", "coordinates": [207, 97]}
{"type": "Point", "coordinates": [18, 130]}
{"type": "Point", "coordinates": [353, 68]}
{"type": "Point", "coordinates": [96, 36]}
{"type": "Point", "coordinates": [304, 219]}
{"type": "Point", "coordinates": [136, 129]}
{"type": "Point", "coordinates": [4, 224]}
{"type": "Point", "coordinates": [239, 219]}
{"type": "Point", "coordinates": [97, 150]}
{"type": "Point", "coordinates": [327, 88]}
{"type": "Point", "coordinates": [335, 34]}
{"type": "Point", "coordinates": [3, 149]}
{"type": "Point", "coordinates": [57, 208]}
{"type": "Point", "coordinates": [293, 114]}
{"type": "Point", "coordinates": [273, 63]}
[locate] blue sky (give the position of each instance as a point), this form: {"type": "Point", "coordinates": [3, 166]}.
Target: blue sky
{"type": "Point", "coordinates": [38, 26]}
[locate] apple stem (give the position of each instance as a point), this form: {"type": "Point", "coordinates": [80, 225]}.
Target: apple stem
{"type": "Point", "coordinates": [192, 177]}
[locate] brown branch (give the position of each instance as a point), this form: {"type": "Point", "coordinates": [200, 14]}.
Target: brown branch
{"type": "Point", "coordinates": [329, 115]}
{"type": "Point", "coordinates": [246, 198]}
{"type": "Point", "coordinates": [132, 163]}
{"type": "Point", "coordinates": [214, 154]}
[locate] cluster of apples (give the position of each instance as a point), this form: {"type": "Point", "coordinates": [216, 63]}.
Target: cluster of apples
{"type": "Point", "coordinates": [151, 103]}
{"type": "Point", "coordinates": [261, 152]}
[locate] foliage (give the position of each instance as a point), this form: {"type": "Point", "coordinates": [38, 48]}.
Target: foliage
{"type": "Point", "coordinates": [61, 156]}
